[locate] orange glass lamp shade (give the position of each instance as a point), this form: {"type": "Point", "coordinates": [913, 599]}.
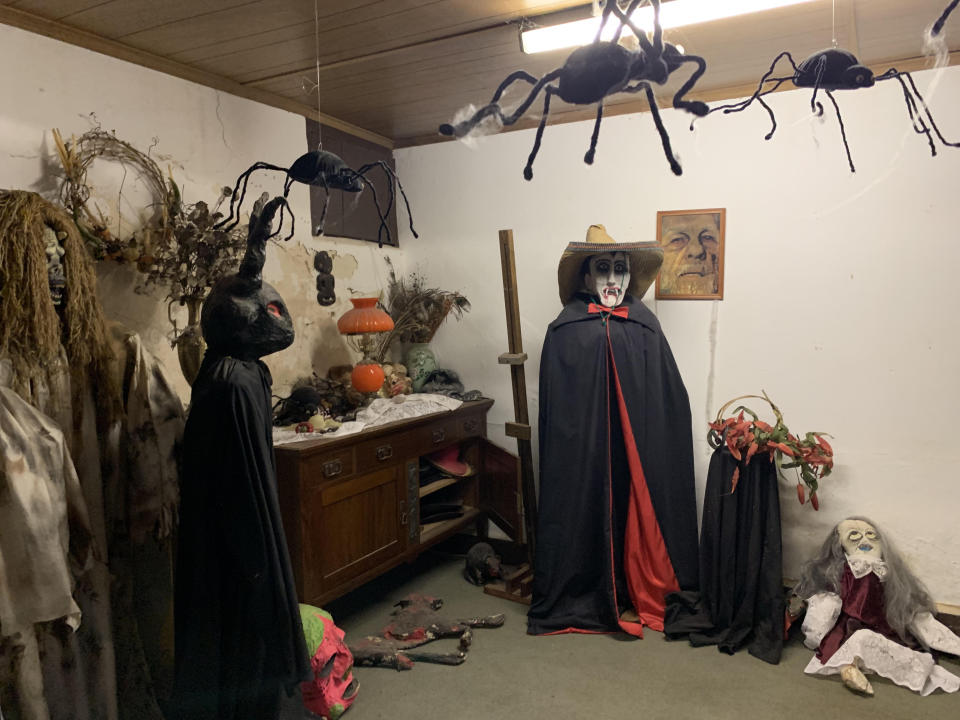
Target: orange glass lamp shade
{"type": "Point", "coordinates": [365, 317]}
{"type": "Point", "coordinates": [364, 320]}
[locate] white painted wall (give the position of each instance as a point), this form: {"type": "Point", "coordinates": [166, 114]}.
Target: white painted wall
{"type": "Point", "coordinates": [208, 138]}
{"type": "Point", "coordinates": [840, 290]}
{"type": "Point", "coordinates": [838, 287]}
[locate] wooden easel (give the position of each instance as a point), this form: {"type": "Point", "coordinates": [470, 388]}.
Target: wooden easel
{"type": "Point", "coordinates": [517, 586]}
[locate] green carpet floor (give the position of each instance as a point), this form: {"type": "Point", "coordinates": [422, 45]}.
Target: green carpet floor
{"type": "Point", "coordinates": [509, 674]}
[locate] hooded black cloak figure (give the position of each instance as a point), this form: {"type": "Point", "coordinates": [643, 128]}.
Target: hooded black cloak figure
{"type": "Point", "coordinates": [617, 513]}
{"type": "Point", "coordinates": [238, 634]}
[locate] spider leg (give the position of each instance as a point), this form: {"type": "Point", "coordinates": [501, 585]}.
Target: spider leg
{"type": "Point", "coordinates": [916, 93]}
{"type": "Point", "coordinates": [658, 121]}
{"type": "Point", "coordinates": [913, 112]}
{"type": "Point", "coordinates": [816, 107]}
{"type": "Point", "coordinates": [696, 107]}
{"type": "Point", "coordinates": [493, 107]}
{"type": "Point", "coordinates": [230, 221]}
{"type": "Point", "coordinates": [653, 51]}
{"type": "Point", "coordinates": [528, 169]}
{"type": "Point", "coordinates": [395, 178]}
{"type": "Point", "coordinates": [759, 93]}
{"type": "Point", "coordinates": [628, 12]}
{"type": "Point", "coordinates": [588, 158]}
{"type": "Point", "coordinates": [376, 201]}
{"type": "Point", "coordinates": [843, 132]}
{"type": "Point", "coordinates": [758, 96]}
{"type": "Point", "coordinates": [938, 25]}
{"type": "Point", "coordinates": [318, 230]}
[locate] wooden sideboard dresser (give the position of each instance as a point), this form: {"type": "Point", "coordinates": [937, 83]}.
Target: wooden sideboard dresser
{"type": "Point", "coordinates": [351, 505]}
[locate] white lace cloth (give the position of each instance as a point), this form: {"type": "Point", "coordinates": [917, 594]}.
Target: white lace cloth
{"type": "Point", "coordinates": [875, 653]}
{"type": "Point", "coordinates": [379, 412]}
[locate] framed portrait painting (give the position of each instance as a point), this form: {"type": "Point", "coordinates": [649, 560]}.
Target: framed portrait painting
{"type": "Point", "coordinates": [692, 242]}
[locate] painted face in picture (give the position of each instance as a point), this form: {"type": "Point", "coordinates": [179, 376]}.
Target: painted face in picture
{"type": "Point", "coordinates": [860, 539]}
{"type": "Point", "coordinates": [691, 245]}
{"type": "Point", "coordinates": [608, 277]}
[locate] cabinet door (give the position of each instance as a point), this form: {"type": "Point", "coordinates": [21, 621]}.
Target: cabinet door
{"type": "Point", "coordinates": [354, 526]}
{"type": "Point", "coordinates": [500, 488]}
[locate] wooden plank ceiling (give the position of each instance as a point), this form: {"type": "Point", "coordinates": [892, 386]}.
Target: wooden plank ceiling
{"type": "Point", "coordinates": [393, 70]}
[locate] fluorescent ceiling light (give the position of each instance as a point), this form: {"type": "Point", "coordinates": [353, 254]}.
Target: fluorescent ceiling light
{"type": "Point", "coordinates": [672, 14]}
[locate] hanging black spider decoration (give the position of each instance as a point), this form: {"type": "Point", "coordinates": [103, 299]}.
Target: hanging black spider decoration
{"type": "Point", "coordinates": [938, 25]}
{"type": "Point", "coordinates": [593, 73]}
{"type": "Point", "coordinates": [836, 69]}
{"type": "Point", "coordinates": [326, 170]}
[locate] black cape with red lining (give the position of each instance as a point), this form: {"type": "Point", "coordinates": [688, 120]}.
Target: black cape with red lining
{"type": "Point", "coordinates": [239, 640]}
{"type": "Point", "coordinates": [617, 523]}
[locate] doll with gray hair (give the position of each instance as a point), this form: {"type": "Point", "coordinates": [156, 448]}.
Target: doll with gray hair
{"type": "Point", "coordinates": [868, 613]}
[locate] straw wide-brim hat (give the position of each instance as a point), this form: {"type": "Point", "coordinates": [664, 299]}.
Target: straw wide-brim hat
{"type": "Point", "coordinates": [645, 261]}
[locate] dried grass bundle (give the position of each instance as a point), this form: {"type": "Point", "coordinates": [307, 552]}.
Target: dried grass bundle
{"type": "Point", "coordinates": [417, 310]}
{"type": "Point", "coordinates": [31, 331]}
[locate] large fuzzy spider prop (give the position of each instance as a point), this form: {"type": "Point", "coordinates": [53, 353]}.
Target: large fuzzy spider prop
{"type": "Point", "coordinates": [326, 170]}
{"type": "Point", "coordinates": [593, 73]}
{"type": "Point", "coordinates": [836, 69]}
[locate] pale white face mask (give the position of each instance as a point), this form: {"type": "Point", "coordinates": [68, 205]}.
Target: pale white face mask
{"type": "Point", "coordinates": [860, 539]}
{"type": "Point", "coordinates": [608, 278]}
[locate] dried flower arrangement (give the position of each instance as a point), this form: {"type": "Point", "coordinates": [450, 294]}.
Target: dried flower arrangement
{"type": "Point", "coordinates": [194, 254]}
{"type": "Point", "coordinates": [180, 247]}
{"type": "Point", "coordinates": [417, 310]}
{"type": "Point", "coordinates": [811, 457]}
{"type": "Point", "coordinates": [76, 156]}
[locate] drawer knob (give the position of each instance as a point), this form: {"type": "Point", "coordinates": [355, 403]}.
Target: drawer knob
{"type": "Point", "coordinates": [471, 425]}
{"type": "Point", "coordinates": [384, 452]}
{"type": "Point", "coordinates": [439, 435]}
{"type": "Point", "coordinates": [332, 468]}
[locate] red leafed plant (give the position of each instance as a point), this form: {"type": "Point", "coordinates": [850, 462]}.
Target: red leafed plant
{"type": "Point", "coordinates": [744, 437]}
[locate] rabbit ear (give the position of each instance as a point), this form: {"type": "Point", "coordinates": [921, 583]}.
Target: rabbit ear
{"type": "Point", "coordinates": [261, 221]}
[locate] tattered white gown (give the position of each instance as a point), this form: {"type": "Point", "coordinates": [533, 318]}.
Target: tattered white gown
{"type": "Point", "coordinates": [876, 653]}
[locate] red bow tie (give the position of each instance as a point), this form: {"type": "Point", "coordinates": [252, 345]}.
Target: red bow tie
{"type": "Point", "coordinates": [619, 311]}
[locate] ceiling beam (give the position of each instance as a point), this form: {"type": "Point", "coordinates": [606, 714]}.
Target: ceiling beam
{"type": "Point", "coordinates": [82, 38]}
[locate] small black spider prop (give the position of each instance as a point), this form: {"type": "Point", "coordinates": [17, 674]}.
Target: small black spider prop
{"type": "Point", "coordinates": [323, 169]}
{"type": "Point", "coordinates": [593, 73]}
{"type": "Point", "coordinates": [836, 69]}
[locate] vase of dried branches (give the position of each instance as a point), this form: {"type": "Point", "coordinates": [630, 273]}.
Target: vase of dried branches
{"type": "Point", "coordinates": [190, 344]}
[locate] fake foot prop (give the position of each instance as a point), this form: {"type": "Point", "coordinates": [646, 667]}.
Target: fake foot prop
{"type": "Point", "coordinates": [856, 680]}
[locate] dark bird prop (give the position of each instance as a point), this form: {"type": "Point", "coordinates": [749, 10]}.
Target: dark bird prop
{"type": "Point", "coordinates": [322, 169]}
{"type": "Point", "coordinates": [595, 72]}
{"type": "Point", "coordinates": [836, 69]}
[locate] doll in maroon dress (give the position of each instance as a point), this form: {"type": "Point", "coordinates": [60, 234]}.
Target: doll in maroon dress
{"type": "Point", "coordinates": [867, 613]}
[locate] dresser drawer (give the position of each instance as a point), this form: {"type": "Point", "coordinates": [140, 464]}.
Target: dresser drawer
{"type": "Point", "coordinates": [386, 451]}
{"type": "Point", "coordinates": [474, 425]}
{"type": "Point", "coordinates": [438, 434]}
{"type": "Point", "coordinates": [330, 466]}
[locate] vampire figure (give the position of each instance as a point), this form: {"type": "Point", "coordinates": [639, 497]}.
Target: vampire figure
{"type": "Point", "coordinates": [239, 639]}
{"type": "Point", "coordinates": [617, 526]}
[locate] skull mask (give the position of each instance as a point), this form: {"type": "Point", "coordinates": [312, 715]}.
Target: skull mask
{"type": "Point", "coordinates": [245, 317]}
{"type": "Point", "coordinates": [860, 539]}
{"type": "Point", "coordinates": [608, 277]}
{"type": "Point", "coordinates": [333, 688]}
